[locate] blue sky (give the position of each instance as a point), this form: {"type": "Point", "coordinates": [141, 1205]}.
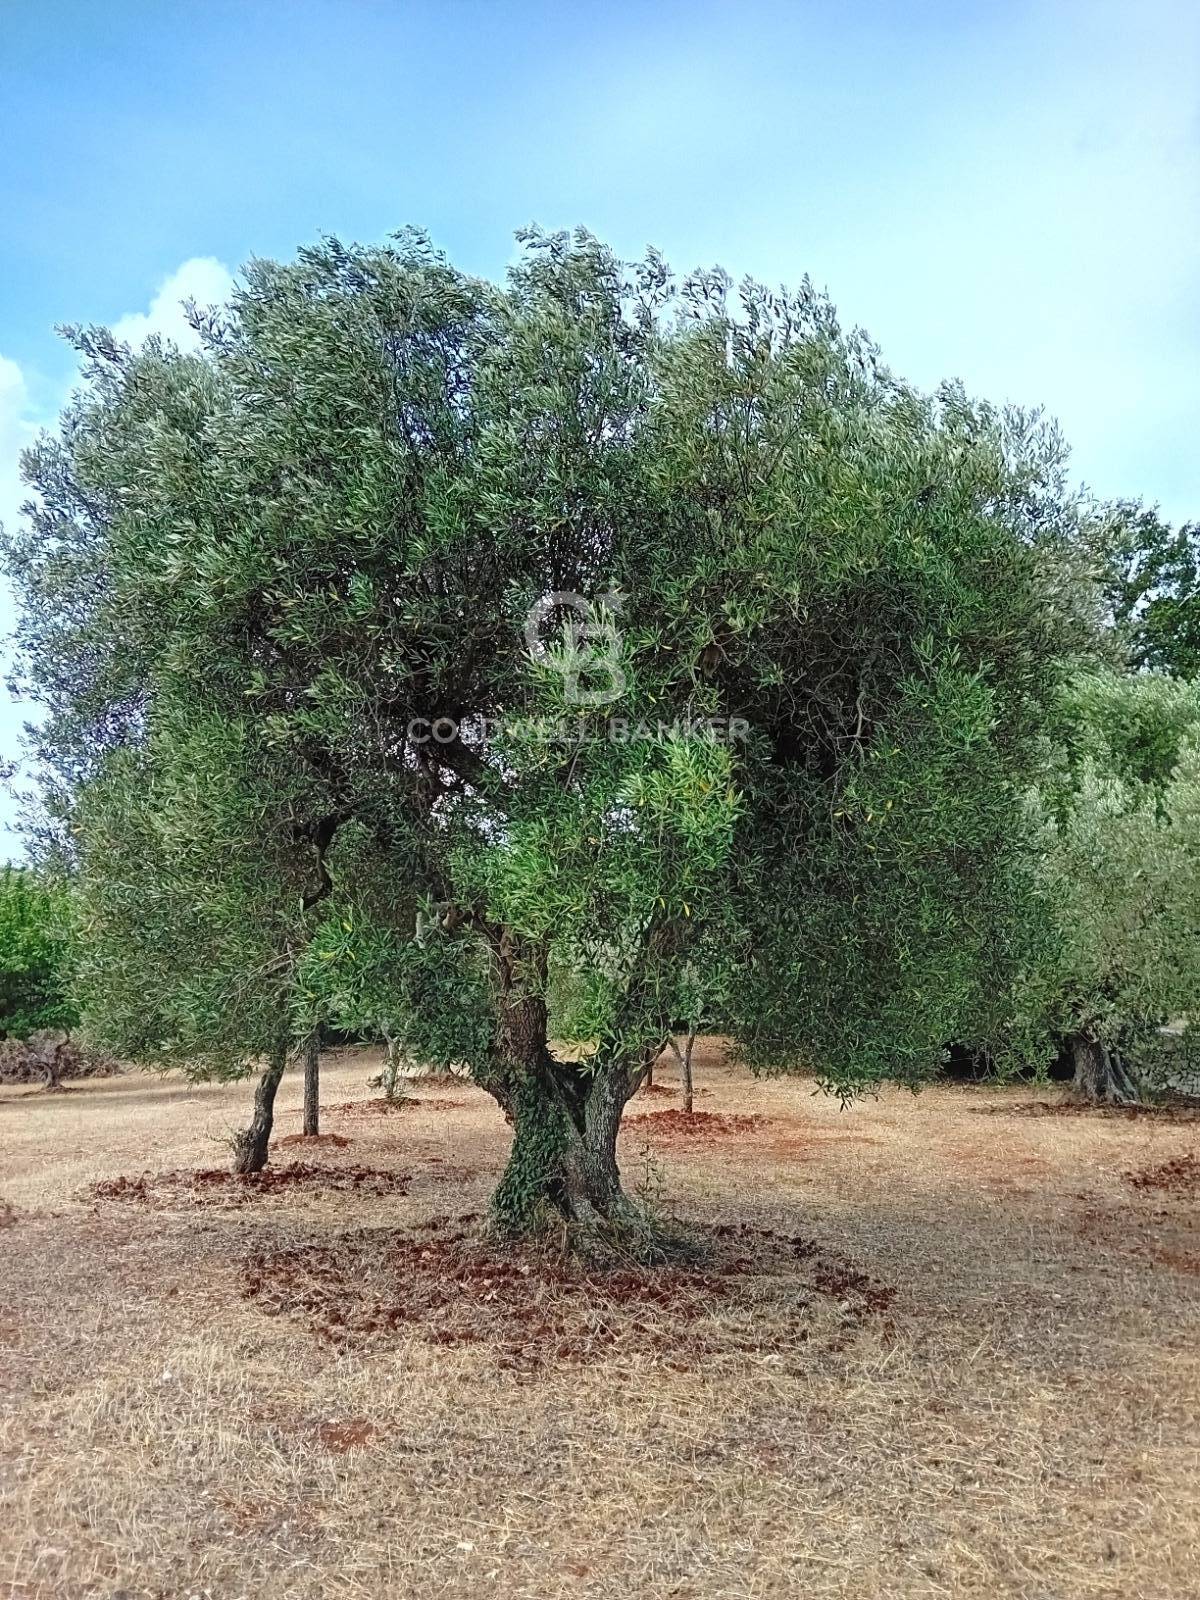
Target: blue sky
{"type": "Point", "coordinates": [1004, 192]}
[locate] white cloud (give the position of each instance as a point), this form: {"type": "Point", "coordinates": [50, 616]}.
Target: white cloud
{"type": "Point", "coordinates": [18, 428]}
{"type": "Point", "coordinates": [203, 279]}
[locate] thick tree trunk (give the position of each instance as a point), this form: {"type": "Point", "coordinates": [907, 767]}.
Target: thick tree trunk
{"type": "Point", "coordinates": [563, 1161]}
{"type": "Point", "coordinates": [46, 1047]}
{"type": "Point", "coordinates": [250, 1147]}
{"type": "Point", "coordinates": [52, 1066]}
{"type": "Point", "coordinates": [565, 1116]}
{"type": "Point", "coordinates": [312, 1084]}
{"type": "Point", "coordinates": [1101, 1078]}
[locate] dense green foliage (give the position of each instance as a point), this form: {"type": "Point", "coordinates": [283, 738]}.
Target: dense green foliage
{"type": "Point", "coordinates": [192, 895]}
{"type": "Point", "coordinates": [1117, 824]}
{"type": "Point", "coordinates": [433, 635]}
{"type": "Point", "coordinates": [1151, 581]}
{"type": "Point", "coordinates": [37, 955]}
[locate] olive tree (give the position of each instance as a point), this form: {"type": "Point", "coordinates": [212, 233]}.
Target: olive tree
{"type": "Point", "coordinates": [1117, 817]}
{"type": "Point", "coordinates": [37, 965]}
{"type": "Point", "coordinates": [603, 605]}
{"type": "Point", "coordinates": [197, 884]}
{"type": "Point", "coordinates": [1150, 574]}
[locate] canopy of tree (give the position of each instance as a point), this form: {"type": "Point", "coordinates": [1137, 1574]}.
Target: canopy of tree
{"type": "Point", "coordinates": [1151, 580]}
{"type": "Point", "coordinates": [1116, 821]}
{"type": "Point", "coordinates": [586, 621]}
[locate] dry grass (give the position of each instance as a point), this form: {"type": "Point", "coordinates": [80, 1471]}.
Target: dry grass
{"type": "Point", "coordinates": [179, 1417]}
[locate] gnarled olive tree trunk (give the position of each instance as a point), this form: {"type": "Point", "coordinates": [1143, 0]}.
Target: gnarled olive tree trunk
{"type": "Point", "coordinates": [565, 1116]}
{"type": "Point", "coordinates": [250, 1147]}
{"type": "Point", "coordinates": [46, 1051]}
{"type": "Point", "coordinates": [390, 1076]}
{"type": "Point", "coordinates": [1101, 1078]}
{"type": "Point", "coordinates": [563, 1161]}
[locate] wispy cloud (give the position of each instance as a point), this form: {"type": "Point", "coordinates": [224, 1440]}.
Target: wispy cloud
{"type": "Point", "coordinates": [18, 428]}
{"type": "Point", "coordinates": [203, 279]}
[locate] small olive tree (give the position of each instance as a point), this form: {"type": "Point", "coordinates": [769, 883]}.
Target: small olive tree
{"type": "Point", "coordinates": [199, 877]}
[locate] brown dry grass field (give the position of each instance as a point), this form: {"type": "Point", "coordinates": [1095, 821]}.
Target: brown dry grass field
{"type": "Point", "coordinates": [940, 1346]}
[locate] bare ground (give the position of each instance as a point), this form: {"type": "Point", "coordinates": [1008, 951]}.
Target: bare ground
{"type": "Point", "coordinates": [939, 1347]}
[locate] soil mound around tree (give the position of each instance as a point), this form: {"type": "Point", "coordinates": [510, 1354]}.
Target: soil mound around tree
{"type": "Point", "coordinates": [1180, 1108]}
{"type": "Point", "coordinates": [19, 1063]}
{"type": "Point", "coordinates": [381, 1107]}
{"type": "Point", "coordinates": [217, 1186]}
{"type": "Point", "coordinates": [694, 1127]}
{"type": "Point", "coordinates": [1181, 1176]}
{"type": "Point", "coordinates": [311, 1141]}
{"type": "Point", "coordinates": [752, 1298]}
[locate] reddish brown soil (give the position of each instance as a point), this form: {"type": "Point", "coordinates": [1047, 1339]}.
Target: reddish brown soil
{"type": "Point", "coordinates": [695, 1127]}
{"type": "Point", "coordinates": [331, 1141]}
{"type": "Point", "coordinates": [533, 1310]}
{"type": "Point", "coordinates": [1180, 1260]}
{"type": "Point", "coordinates": [220, 1187]}
{"type": "Point", "coordinates": [369, 1108]}
{"type": "Point", "coordinates": [341, 1437]}
{"type": "Point", "coordinates": [656, 1091]}
{"type": "Point", "coordinates": [1182, 1110]}
{"type": "Point", "coordinates": [1180, 1176]}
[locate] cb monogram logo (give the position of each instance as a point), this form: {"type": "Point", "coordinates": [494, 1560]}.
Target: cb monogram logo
{"type": "Point", "coordinates": [589, 646]}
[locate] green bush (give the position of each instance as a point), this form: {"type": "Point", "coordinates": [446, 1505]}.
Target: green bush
{"type": "Point", "coordinates": [36, 956]}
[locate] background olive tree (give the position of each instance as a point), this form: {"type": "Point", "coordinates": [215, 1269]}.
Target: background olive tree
{"type": "Point", "coordinates": [197, 886]}
{"type": "Point", "coordinates": [1115, 818]}
{"type": "Point", "coordinates": [1150, 575]}
{"type": "Point", "coordinates": [37, 966]}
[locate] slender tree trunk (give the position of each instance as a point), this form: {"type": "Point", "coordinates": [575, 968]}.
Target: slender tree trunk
{"type": "Point", "coordinates": [250, 1147]}
{"type": "Point", "coordinates": [312, 1084]}
{"type": "Point", "coordinates": [391, 1067]}
{"type": "Point", "coordinates": [685, 1072]}
{"type": "Point", "coordinates": [1101, 1078]}
{"type": "Point", "coordinates": [683, 1059]}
